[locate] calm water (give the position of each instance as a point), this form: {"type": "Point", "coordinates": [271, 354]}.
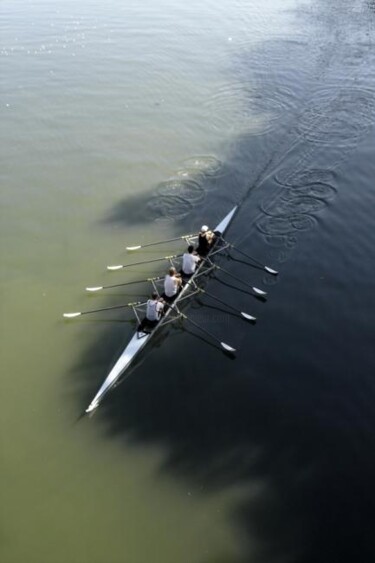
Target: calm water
{"type": "Point", "coordinates": [128, 122]}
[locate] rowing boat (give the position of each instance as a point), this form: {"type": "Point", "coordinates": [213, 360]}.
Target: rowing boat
{"type": "Point", "coordinates": [139, 340]}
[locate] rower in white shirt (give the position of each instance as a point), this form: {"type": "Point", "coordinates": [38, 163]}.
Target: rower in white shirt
{"type": "Point", "coordinates": [190, 261]}
{"type": "Point", "coordinates": [154, 311]}
{"type": "Point", "coordinates": [172, 285]}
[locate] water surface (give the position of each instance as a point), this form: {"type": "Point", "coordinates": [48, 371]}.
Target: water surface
{"type": "Point", "coordinates": [124, 123]}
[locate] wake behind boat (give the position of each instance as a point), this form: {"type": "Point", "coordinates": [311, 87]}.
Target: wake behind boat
{"type": "Point", "coordinates": [141, 338]}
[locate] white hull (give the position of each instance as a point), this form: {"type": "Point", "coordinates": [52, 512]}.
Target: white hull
{"type": "Point", "coordinates": [137, 343]}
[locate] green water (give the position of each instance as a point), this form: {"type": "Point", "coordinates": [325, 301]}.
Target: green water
{"type": "Point", "coordinates": [101, 103]}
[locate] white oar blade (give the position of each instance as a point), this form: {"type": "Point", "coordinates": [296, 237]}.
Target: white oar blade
{"type": "Point", "coordinates": [134, 247]}
{"type": "Point", "coordinates": [94, 288]}
{"type": "Point", "coordinates": [259, 291]}
{"type": "Point", "coordinates": [71, 315]}
{"type": "Point", "coordinates": [92, 407]}
{"type": "Point", "coordinates": [271, 271]}
{"type": "Point", "coordinates": [227, 347]}
{"type": "Point", "coordinates": [115, 267]}
{"type": "Point", "coordinates": [248, 317]}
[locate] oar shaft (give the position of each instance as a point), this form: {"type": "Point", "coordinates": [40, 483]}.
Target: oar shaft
{"type": "Point", "coordinates": [182, 237]}
{"type": "Point", "coordinates": [103, 309]}
{"type": "Point", "coordinates": [220, 301]}
{"type": "Point", "coordinates": [145, 262]}
{"type": "Point", "coordinates": [125, 283]}
{"type": "Point", "coordinates": [267, 268]}
{"type": "Point", "coordinates": [234, 277]}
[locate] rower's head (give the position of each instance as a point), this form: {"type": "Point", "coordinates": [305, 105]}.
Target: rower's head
{"type": "Point", "coordinates": [172, 271]}
{"type": "Point", "coordinates": [204, 229]}
{"type": "Point", "coordinates": [154, 295]}
{"type": "Point", "coordinates": [190, 248]}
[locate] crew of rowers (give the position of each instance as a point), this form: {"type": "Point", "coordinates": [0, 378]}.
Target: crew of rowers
{"type": "Point", "coordinates": [173, 282]}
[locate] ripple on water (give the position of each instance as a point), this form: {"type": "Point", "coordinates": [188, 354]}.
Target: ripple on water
{"type": "Point", "coordinates": [287, 178]}
{"type": "Point", "coordinates": [163, 208]}
{"type": "Point", "coordinates": [294, 204]}
{"type": "Point", "coordinates": [311, 183]}
{"type": "Point", "coordinates": [191, 174]}
{"type": "Point", "coordinates": [175, 198]}
{"type": "Point", "coordinates": [338, 118]}
{"type": "Point", "coordinates": [209, 165]}
{"type": "Point", "coordinates": [243, 107]}
{"type": "Point", "coordinates": [184, 189]}
{"type": "Point", "coordinates": [269, 225]}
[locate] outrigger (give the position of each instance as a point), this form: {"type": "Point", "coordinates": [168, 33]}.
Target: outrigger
{"type": "Point", "coordinates": [173, 312]}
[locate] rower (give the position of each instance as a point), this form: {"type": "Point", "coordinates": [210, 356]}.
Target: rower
{"type": "Point", "coordinates": [206, 239]}
{"type": "Point", "coordinates": [172, 285]}
{"type": "Point", "coordinates": [190, 260]}
{"type": "Point", "coordinates": [154, 311]}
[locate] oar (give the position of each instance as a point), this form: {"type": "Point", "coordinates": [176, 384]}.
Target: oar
{"type": "Point", "coordinates": [79, 313]}
{"type": "Point", "coordinates": [139, 246]}
{"type": "Point", "coordinates": [120, 266]}
{"type": "Point", "coordinates": [222, 344]}
{"type": "Point", "coordinates": [267, 268]}
{"type": "Point", "coordinates": [256, 290]}
{"type": "Point", "coordinates": [244, 315]}
{"type": "Point", "coordinates": [98, 288]}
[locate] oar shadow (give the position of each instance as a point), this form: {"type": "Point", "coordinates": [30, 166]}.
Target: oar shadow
{"type": "Point", "coordinates": [225, 311]}
{"type": "Point", "coordinates": [134, 296]}
{"type": "Point", "coordinates": [208, 342]}
{"type": "Point", "coordinates": [261, 298]}
{"type": "Point", "coordinates": [240, 261]}
{"type": "Point", "coordinates": [101, 321]}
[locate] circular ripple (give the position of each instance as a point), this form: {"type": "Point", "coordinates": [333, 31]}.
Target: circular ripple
{"type": "Point", "coordinates": [295, 204]}
{"type": "Point", "coordinates": [311, 183]}
{"type": "Point", "coordinates": [271, 226]}
{"type": "Point", "coordinates": [182, 189]}
{"type": "Point", "coordinates": [240, 106]}
{"type": "Point", "coordinates": [338, 117]}
{"type": "Point", "coordinates": [190, 174]}
{"type": "Point", "coordinates": [165, 207]}
{"type": "Point", "coordinates": [318, 191]}
{"type": "Point", "coordinates": [299, 179]}
{"type": "Point", "coordinates": [208, 165]}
